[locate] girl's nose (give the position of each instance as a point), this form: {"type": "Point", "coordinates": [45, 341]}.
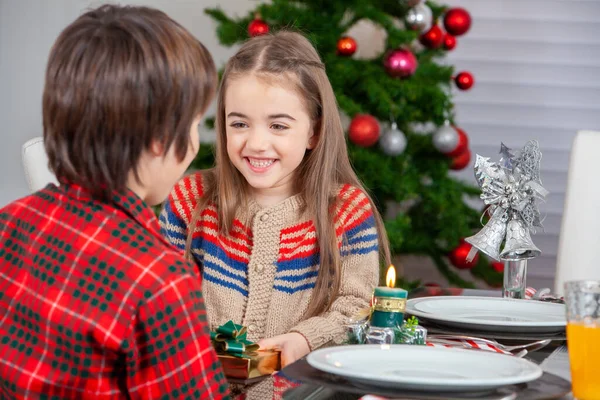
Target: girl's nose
{"type": "Point", "coordinates": [257, 140]}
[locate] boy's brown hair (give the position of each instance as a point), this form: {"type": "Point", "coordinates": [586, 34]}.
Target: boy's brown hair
{"type": "Point", "coordinates": [118, 79]}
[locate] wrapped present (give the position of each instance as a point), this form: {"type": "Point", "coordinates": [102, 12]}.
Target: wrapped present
{"type": "Point", "coordinates": [356, 331]}
{"type": "Point", "coordinates": [411, 333]}
{"type": "Point", "coordinates": [362, 332]}
{"type": "Point", "coordinates": [261, 363]}
{"type": "Point", "coordinates": [378, 335]}
{"type": "Point", "coordinates": [240, 358]}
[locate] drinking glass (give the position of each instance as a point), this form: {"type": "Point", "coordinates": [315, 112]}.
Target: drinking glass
{"type": "Point", "coordinates": [583, 337]}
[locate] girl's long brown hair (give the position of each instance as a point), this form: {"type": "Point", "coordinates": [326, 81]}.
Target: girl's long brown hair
{"type": "Point", "coordinates": [323, 170]}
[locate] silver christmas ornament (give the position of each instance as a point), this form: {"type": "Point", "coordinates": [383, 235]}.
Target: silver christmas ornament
{"type": "Point", "coordinates": [445, 139]}
{"type": "Point", "coordinates": [419, 18]}
{"type": "Point", "coordinates": [490, 237]}
{"type": "Point", "coordinates": [393, 142]}
{"type": "Point", "coordinates": [519, 245]}
{"type": "Point", "coordinates": [512, 189]}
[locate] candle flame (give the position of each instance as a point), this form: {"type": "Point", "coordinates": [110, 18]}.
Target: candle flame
{"type": "Point", "coordinates": [390, 278]}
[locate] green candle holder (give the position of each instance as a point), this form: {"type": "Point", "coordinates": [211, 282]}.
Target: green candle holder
{"type": "Point", "coordinates": [389, 305]}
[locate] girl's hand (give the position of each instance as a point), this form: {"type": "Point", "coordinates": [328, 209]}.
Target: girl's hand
{"type": "Point", "coordinates": [293, 346]}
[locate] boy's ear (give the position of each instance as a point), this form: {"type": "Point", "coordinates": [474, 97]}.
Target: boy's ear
{"type": "Point", "coordinates": [157, 148]}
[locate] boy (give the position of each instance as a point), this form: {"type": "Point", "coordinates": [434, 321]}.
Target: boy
{"type": "Point", "coordinates": [94, 303]}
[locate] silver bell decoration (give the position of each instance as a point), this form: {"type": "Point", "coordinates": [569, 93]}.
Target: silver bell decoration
{"type": "Point", "coordinates": [419, 18]}
{"type": "Point", "coordinates": [519, 245]}
{"type": "Point", "coordinates": [489, 239]}
{"type": "Point", "coordinates": [445, 139]}
{"type": "Point", "coordinates": [393, 142]}
{"type": "Point", "coordinates": [512, 189]}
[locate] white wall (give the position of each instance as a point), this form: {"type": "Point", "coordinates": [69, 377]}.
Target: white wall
{"type": "Point", "coordinates": [536, 64]}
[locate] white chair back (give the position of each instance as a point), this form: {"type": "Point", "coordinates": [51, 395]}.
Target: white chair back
{"type": "Point", "coordinates": [579, 244]}
{"type": "Point", "coordinates": [35, 163]}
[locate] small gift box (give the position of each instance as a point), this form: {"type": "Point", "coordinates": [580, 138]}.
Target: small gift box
{"type": "Point", "coordinates": [240, 358]}
{"type": "Point", "coordinates": [356, 331]}
{"type": "Point", "coordinates": [262, 362]}
{"type": "Point", "coordinates": [411, 333]}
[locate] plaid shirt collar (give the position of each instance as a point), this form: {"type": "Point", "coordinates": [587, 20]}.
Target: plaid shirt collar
{"type": "Point", "coordinates": [128, 202]}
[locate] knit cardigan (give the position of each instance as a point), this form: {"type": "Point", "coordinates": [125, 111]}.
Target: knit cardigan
{"type": "Point", "coordinates": [263, 275]}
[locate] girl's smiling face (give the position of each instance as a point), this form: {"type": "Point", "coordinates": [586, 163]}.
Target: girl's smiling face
{"type": "Point", "coordinates": [268, 132]}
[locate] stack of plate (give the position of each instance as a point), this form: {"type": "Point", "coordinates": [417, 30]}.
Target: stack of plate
{"type": "Point", "coordinates": [490, 314]}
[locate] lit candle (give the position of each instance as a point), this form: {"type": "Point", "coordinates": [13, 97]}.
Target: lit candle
{"type": "Point", "coordinates": [389, 303]}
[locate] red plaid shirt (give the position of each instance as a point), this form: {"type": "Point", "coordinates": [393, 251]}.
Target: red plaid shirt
{"type": "Point", "coordinates": [94, 303]}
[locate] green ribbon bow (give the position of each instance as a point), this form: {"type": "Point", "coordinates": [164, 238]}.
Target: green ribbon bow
{"type": "Point", "coordinates": [231, 339]}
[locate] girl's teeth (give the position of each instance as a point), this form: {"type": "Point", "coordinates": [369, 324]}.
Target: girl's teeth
{"type": "Point", "coordinates": [260, 164]}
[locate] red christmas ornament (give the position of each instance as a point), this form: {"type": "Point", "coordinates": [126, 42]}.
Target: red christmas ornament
{"type": "Point", "coordinates": [464, 80]}
{"type": "Point", "coordinates": [433, 289]}
{"type": "Point", "coordinates": [497, 266]}
{"type": "Point", "coordinates": [457, 21]}
{"type": "Point", "coordinates": [346, 46]}
{"type": "Point", "coordinates": [461, 161]}
{"type": "Point", "coordinates": [455, 291]}
{"type": "Point", "coordinates": [433, 38]}
{"type": "Point", "coordinates": [400, 63]}
{"type": "Point", "coordinates": [463, 144]}
{"type": "Point", "coordinates": [458, 256]}
{"type": "Point", "coordinates": [449, 42]}
{"type": "Point", "coordinates": [258, 27]}
{"type": "Point", "coordinates": [364, 130]}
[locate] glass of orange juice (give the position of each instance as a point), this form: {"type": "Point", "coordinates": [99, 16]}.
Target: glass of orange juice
{"type": "Point", "coordinates": [583, 337]}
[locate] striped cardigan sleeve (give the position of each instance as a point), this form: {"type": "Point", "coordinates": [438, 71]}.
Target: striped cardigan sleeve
{"type": "Point", "coordinates": [176, 213]}
{"type": "Point", "coordinates": [360, 271]}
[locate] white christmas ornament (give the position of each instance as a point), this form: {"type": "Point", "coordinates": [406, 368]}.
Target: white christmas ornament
{"type": "Point", "coordinates": [445, 139]}
{"type": "Point", "coordinates": [393, 142]}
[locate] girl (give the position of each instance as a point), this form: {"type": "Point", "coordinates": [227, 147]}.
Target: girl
{"type": "Point", "coordinates": [287, 238]}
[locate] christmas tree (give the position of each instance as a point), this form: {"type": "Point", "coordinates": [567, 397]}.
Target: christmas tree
{"type": "Point", "coordinates": [391, 100]}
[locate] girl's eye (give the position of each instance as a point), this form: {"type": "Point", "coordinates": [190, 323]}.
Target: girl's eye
{"type": "Point", "coordinates": [238, 125]}
{"type": "Point", "coordinates": [278, 127]}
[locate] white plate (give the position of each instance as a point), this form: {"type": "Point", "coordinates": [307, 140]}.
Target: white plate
{"type": "Point", "coordinates": [424, 368]}
{"type": "Point", "coordinates": [490, 313]}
